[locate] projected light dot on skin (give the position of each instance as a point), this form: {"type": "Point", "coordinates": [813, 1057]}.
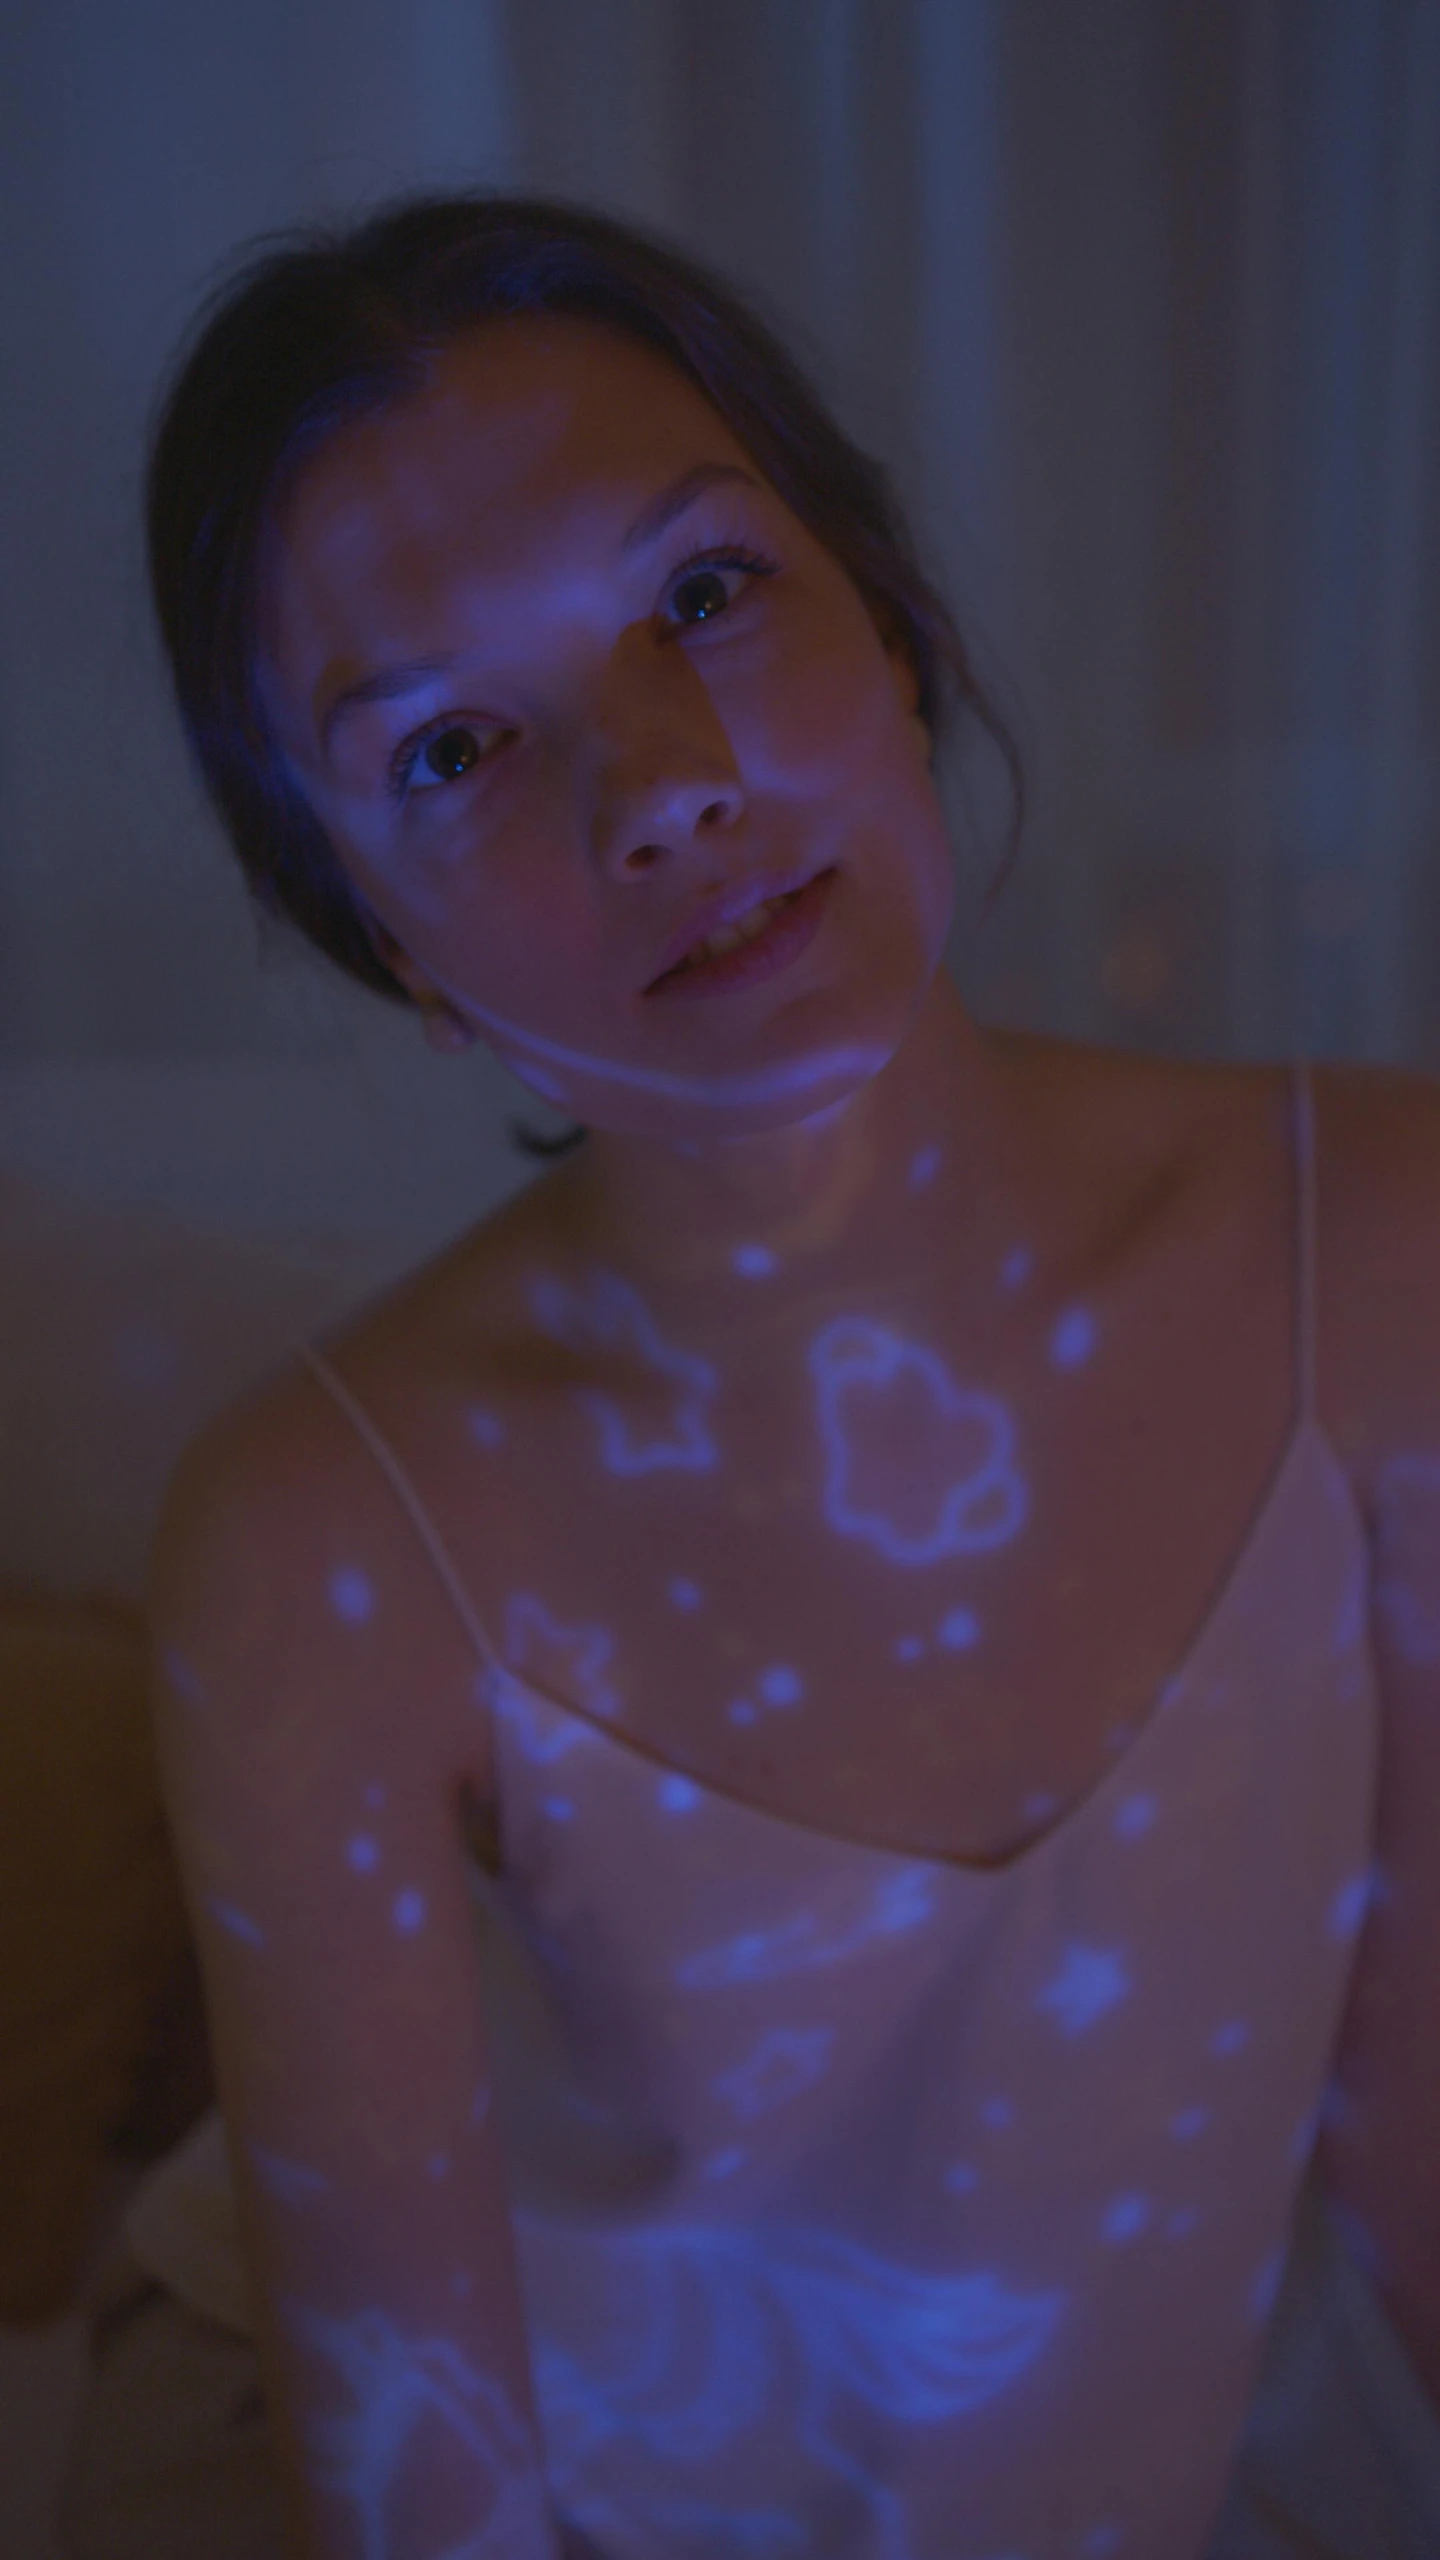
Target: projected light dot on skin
{"type": "Point", "coordinates": [780, 1686]}
{"type": "Point", "coordinates": [997, 2112]}
{"type": "Point", "coordinates": [1182, 2221]}
{"type": "Point", "coordinates": [1134, 1816]}
{"type": "Point", "coordinates": [959, 1630]}
{"type": "Point", "coordinates": [558, 1808]}
{"type": "Point", "coordinates": [363, 1854]}
{"type": "Point", "coordinates": [236, 1922]}
{"type": "Point", "coordinates": [677, 1794]}
{"type": "Point", "coordinates": [1350, 1905]}
{"type": "Point", "coordinates": [1189, 2122]}
{"type": "Point", "coordinates": [1017, 1267]}
{"type": "Point", "coordinates": [351, 1596]}
{"type": "Point", "coordinates": [960, 2178]}
{"type": "Point", "coordinates": [740, 1711]}
{"type": "Point", "coordinates": [409, 1911]}
{"type": "Point", "coordinates": [908, 1648]}
{"type": "Point", "coordinates": [1231, 2037]}
{"type": "Point", "coordinates": [683, 1594]}
{"type": "Point", "coordinates": [375, 1798]}
{"type": "Point", "coordinates": [1038, 1808]}
{"type": "Point", "coordinates": [753, 1261]}
{"type": "Point", "coordinates": [485, 1427]}
{"type": "Point", "coordinates": [438, 2164]}
{"type": "Point", "coordinates": [924, 1165]}
{"type": "Point", "coordinates": [1073, 1339]}
{"type": "Point", "coordinates": [1126, 2216]}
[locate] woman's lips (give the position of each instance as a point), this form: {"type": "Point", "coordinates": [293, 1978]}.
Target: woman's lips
{"type": "Point", "coordinates": [787, 934]}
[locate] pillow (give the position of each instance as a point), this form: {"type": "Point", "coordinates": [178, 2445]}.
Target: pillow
{"type": "Point", "coordinates": [102, 2043]}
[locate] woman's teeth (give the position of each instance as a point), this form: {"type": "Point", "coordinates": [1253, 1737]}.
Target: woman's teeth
{"type": "Point", "coordinates": [730, 936]}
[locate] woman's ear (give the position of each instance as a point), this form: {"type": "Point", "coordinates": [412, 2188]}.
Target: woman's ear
{"type": "Point", "coordinates": [443, 1026]}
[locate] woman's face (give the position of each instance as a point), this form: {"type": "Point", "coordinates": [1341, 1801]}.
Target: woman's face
{"type": "Point", "coordinates": [537, 739]}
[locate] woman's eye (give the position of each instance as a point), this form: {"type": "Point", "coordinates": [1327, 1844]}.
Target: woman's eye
{"type": "Point", "coordinates": [451, 749]}
{"type": "Point", "coordinates": [704, 574]}
{"type": "Point", "coordinates": [446, 755]}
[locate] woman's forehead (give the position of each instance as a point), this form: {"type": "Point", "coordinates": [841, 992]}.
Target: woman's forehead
{"type": "Point", "coordinates": [550, 417]}
{"type": "Point", "coordinates": [527, 450]}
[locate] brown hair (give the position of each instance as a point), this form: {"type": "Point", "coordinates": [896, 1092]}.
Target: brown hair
{"type": "Point", "coordinates": [321, 326]}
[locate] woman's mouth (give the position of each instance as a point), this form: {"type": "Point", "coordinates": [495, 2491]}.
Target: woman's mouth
{"type": "Point", "coordinates": [763, 942]}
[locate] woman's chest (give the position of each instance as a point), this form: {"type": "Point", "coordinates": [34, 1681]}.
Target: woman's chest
{"type": "Point", "coordinates": [924, 1584]}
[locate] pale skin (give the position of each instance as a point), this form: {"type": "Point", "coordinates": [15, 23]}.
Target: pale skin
{"type": "Point", "coordinates": [636, 742]}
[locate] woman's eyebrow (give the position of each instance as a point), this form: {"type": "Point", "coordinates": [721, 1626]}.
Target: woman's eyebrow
{"type": "Point", "coordinates": [658, 512]}
{"type": "Point", "coordinates": [382, 686]}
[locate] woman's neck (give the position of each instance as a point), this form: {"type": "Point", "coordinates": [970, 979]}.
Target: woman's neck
{"type": "Point", "coordinates": [913, 1186]}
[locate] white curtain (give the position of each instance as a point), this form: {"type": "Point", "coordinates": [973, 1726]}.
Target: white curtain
{"type": "Point", "coordinates": [1139, 302]}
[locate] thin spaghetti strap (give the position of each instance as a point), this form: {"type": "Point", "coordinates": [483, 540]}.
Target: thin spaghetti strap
{"type": "Point", "coordinates": [406, 1494]}
{"type": "Point", "coordinates": [1303, 1107]}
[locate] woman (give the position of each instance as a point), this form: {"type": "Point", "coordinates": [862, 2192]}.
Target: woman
{"type": "Point", "coordinates": [852, 1548]}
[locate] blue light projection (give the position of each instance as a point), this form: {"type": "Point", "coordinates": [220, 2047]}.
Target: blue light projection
{"type": "Point", "coordinates": [890, 1409]}
{"type": "Point", "coordinates": [786, 2060]}
{"type": "Point", "coordinates": [485, 1427]}
{"type": "Point", "coordinates": [1090, 1981]}
{"type": "Point", "coordinates": [918, 1469]}
{"type": "Point", "coordinates": [399, 2385]}
{"type": "Point", "coordinates": [1351, 1903]}
{"type": "Point", "coordinates": [535, 1642]}
{"type": "Point", "coordinates": [1126, 2216]}
{"type": "Point", "coordinates": [614, 1316]}
{"type": "Point", "coordinates": [239, 1924]}
{"type": "Point", "coordinates": [900, 1902]}
{"type": "Point", "coordinates": [787, 2309]}
{"type": "Point", "coordinates": [351, 1595]}
{"type": "Point", "coordinates": [840, 1062]}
